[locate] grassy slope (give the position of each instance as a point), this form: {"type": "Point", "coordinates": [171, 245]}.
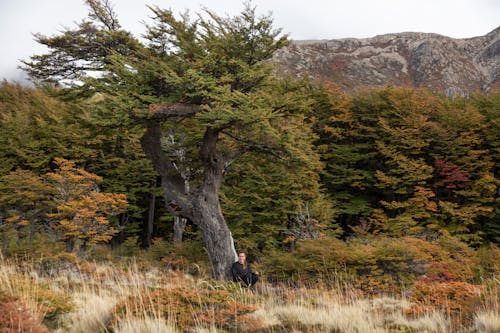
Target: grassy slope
{"type": "Point", "coordinates": [137, 297]}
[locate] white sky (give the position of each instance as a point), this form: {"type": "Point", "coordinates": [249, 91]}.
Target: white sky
{"type": "Point", "coordinates": [303, 19]}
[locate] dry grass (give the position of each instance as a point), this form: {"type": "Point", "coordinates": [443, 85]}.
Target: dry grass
{"type": "Point", "coordinates": [145, 325]}
{"type": "Point", "coordinates": [487, 322]}
{"type": "Point", "coordinates": [95, 289]}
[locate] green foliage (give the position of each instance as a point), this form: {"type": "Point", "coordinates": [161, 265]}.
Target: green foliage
{"type": "Point", "coordinates": [379, 264]}
{"type": "Point", "coordinates": [262, 197]}
{"type": "Point", "coordinates": [34, 128]}
{"type": "Point", "coordinates": [406, 162]}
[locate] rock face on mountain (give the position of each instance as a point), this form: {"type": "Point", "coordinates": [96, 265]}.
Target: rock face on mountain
{"type": "Point", "coordinates": [454, 66]}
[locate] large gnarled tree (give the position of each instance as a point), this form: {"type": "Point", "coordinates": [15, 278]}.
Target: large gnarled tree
{"type": "Point", "coordinates": [202, 90]}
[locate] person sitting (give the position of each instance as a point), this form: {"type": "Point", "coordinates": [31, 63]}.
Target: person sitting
{"type": "Point", "coordinates": [242, 272]}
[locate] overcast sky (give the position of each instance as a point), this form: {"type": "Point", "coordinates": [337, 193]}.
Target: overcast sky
{"type": "Point", "coordinates": [301, 19]}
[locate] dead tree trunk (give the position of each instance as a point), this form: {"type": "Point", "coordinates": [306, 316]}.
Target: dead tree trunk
{"type": "Point", "coordinates": [179, 227]}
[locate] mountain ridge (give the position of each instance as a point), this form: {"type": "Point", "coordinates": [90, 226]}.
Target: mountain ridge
{"type": "Point", "coordinates": [455, 66]}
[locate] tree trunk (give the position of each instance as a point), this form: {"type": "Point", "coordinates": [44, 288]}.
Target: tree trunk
{"type": "Point", "coordinates": [179, 226]}
{"type": "Point", "coordinates": [215, 234]}
{"type": "Point", "coordinates": [70, 244]}
{"type": "Point", "coordinates": [32, 234]}
{"type": "Point", "coordinates": [201, 205]}
{"type": "Point", "coordinates": [147, 239]}
{"type": "Point", "coordinates": [5, 242]}
{"type": "Point", "coordinates": [207, 212]}
{"type": "Point", "coordinates": [82, 249]}
{"type": "Point", "coordinates": [119, 238]}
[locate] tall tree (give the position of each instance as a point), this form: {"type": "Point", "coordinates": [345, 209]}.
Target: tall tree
{"type": "Point", "coordinates": [208, 80]}
{"type": "Point", "coordinates": [411, 162]}
{"type": "Point", "coordinates": [24, 201]}
{"type": "Point", "coordinates": [34, 128]}
{"type": "Point", "coordinates": [81, 211]}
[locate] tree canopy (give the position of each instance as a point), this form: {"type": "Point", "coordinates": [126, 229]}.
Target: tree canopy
{"type": "Point", "coordinates": [202, 91]}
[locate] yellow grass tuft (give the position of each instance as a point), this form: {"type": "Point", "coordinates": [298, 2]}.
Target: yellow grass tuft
{"type": "Point", "coordinates": [145, 325]}
{"type": "Point", "coordinates": [92, 313]}
{"type": "Point", "coordinates": [487, 322]}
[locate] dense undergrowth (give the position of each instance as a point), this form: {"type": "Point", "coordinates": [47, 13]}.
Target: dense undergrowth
{"type": "Point", "coordinates": [382, 285]}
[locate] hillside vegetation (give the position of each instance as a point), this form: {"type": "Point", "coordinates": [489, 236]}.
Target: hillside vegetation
{"type": "Point", "coordinates": [404, 241]}
{"type": "Point", "coordinates": [63, 294]}
{"type": "Point", "coordinates": [135, 169]}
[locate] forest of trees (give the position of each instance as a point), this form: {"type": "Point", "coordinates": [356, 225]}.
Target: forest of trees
{"type": "Point", "coordinates": [191, 137]}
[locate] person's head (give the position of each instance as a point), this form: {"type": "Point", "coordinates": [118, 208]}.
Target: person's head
{"type": "Point", "coordinates": [242, 258]}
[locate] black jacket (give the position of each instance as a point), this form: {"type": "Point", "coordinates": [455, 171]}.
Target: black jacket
{"type": "Point", "coordinates": [242, 274]}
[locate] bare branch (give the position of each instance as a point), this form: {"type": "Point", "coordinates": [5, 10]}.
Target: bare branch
{"type": "Point", "coordinates": [103, 11]}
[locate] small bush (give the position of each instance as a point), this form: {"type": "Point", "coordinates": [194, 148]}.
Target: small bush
{"type": "Point", "coordinates": [185, 256]}
{"type": "Point", "coordinates": [458, 299]}
{"type": "Point", "coordinates": [189, 307]}
{"type": "Point", "coordinates": [129, 248]}
{"type": "Point", "coordinates": [381, 264]}
{"type": "Point", "coordinates": [15, 317]}
{"type": "Point", "coordinates": [53, 265]}
{"type": "Point", "coordinates": [488, 264]}
{"type": "Point", "coordinates": [52, 305]}
{"type": "Point", "coordinates": [48, 303]}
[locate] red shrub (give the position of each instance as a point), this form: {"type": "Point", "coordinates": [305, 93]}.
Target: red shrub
{"type": "Point", "coordinates": [16, 318]}
{"type": "Point", "coordinates": [458, 299]}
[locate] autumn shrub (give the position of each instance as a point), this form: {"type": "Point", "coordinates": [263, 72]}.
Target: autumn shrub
{"type": "Point", "coordinates": [190, 307]}
{"type": "Point", "coordinates": [488, 264]}
{"type": "Point", "coordinates": [460, 300]}
{"type": "Point", "coordinates": [53, 305]}
{"type": "Point", "coordinates": [15, 317]}
{"type": "Point", "coordinates": [50, 305]}
{"type": "Point", "coordinates": [53, 265]}
{"type": "Point", "coordinates": [185, 256]}
{"type": "Point", "coordinates": [379, 264]}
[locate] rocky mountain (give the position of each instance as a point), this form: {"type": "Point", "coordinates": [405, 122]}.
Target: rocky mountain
{"type": "Point", "coordinates": [455, 66]}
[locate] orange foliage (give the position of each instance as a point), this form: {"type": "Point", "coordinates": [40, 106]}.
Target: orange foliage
{"type": "Point", "coordinates": [459, 299]}
{"type": "Point", "coordinates": [15, 317]}
{"type": "Point", "coordinates": [190, 307]}
{"type": "Point", "coordinates": [81, 210]}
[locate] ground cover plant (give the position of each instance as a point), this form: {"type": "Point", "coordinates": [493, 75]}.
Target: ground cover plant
{"type": "Point", "coordinates": [136, 294]}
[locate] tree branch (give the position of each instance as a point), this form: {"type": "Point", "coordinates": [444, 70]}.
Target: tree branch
{"type": "Point", "coordinates": [164, 111]}
{"type": "Point", "coordinates": [175, 197]}
{"type": "Point", "coordinates": [254, 146]}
